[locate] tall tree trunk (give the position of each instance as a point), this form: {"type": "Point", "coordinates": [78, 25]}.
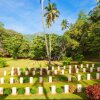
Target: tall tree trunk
{"type": "Point", "coordinates": [46, 42]}
{"type": "Point", "coordinates": [49, 49]}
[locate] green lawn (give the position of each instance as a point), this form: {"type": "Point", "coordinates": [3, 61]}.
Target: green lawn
{"type": "Point", "coordinates": [23, 63]}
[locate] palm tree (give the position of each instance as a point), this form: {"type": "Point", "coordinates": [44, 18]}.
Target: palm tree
{"type": "Point", "coordinates": [51, 14]}
{"type": "Point", "coordinates": [46, 42]}
{"type": "Point", "coordinates": [64, 24]}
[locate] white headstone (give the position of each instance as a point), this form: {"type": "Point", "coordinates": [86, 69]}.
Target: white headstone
{"type": "Point", "coordinates": [27, 91]}
{"type": "Point", "coordinates": [40, 79]}
{"type": "Point", "coordinates": [21, 80]}
{"type": "Point", "coordinates": [75, 66]}
{"type": "Point", "coordinates": [29, 68]}
{"type": "Point", "coordinates": [55, 71]}
{"type": "Point", "coordinates": [79, 88]}
{"type": "Point", "coordinates": [78, 77]}
{"type": "Point", "coordinates": [69, 71]}
{"type": "Point", "coordinates": [87, 65]}
{"type": "Point", "coordinates": [69, 77]}
{"type": "Point", "coordinates": [31, 80]}
{"type": "Point", "coordinates": [18, 69]}
{"type": "Point", "coordinates": [81, 65]}
{"type": "Point", "coordinates": [5, 73]}
{"type": "Point", "coordinates": [12, 73]}
{"type": "Point", "coordinates": [92, 65]}
{"type": "Point", "coordinates": [1, 90]}
{"type": "Point", "coordinates": [70, 66]}
{"type": "Point", "coordinates": [58, 67]}
{"type": "Point", "coordinates": [19, 73]}
{"type": "Point", "coordinates": [77, 70]}
{"type": "Point", "coordinates": [14, 91]}
{"type": "Point", "coordinates": [66, 88]}
{"type": "Point", "coordinates": [53, 89]}
{"type": "Point", "coordinates": [91, 69]}
{"type": "Point", "coordinates": [88, 76]}
{"type": "Point", "coordinates": [33, 72]}
{"type": "Point", "coordinates": [52, 67]}
{"type": "Point", "coordinates": [97, 76]}
{"type": "Point", "coordinates": [98, 69]}
{"type": "Point", "coordinates": [12, 68]}
{"type": "Point", "coordinates": [2, 80]}
{"type": "Point", "coordinates": [63, 72]}
{"type": "Point", "coordinates": [47, 68]}
{"type": "Point", "coordinates": [41, 68]}
{"type": "Point", "coordinates": [11, 80]}
{"type": "Point", "coordinates": [50, 79]}
{"type": "Point", "coordinates": [48, 72]}
{"type": "Point", "coordinates": [26, 72]}
{"type": "Point", "coordinates": [40, 90]}
{"type": "Point", "coordinates": [64, 67]}
{"type": "Point", "coordinates": [40, 72]}
{"type": "Point", "coordinates": [84, 70]}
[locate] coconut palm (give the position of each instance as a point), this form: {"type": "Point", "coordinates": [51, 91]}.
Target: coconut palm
{"type": "Point", "coordinates": [64, 24]}
{"type": "Point", "coordinates": [46, 42]}
{"type": "Point", "coordinates": [51, 14]}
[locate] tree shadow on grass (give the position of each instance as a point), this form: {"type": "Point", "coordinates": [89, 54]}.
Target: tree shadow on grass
{"type": "Point", "coordinates": [2, 97]}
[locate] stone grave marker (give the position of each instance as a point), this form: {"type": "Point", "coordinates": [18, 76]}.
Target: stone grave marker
{"type": "Point", "coordinates": [88, 76]}
{"type": "Point", "coordinates": [21, 80]}
{"type": "Point", "coordinates": [1, 90]}
{"type": "Point", "coordinates": [53, 89]}
{"type": "Point", "coordinates": [5, 73]}
{"type": "Point", "coordinates": [50, 79]}
{"type": "Point", "coordinates": [27, 91]}
{"type": "Point", "coordinates": [40, 90]}
{"type": "Point", "coordinates": [79, 88]}
{"type": "Point", "coordinates": [14, 91]}
{"type": "Point", "coordinates": [11, 80]}
{"type": "Point", "coordinates": [66, 88]}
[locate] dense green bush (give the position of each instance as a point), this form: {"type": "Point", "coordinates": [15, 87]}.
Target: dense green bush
{"type": "Point", "coordinates": [66, 60]}
{"type": "Point", "coordinates": [7, 91]}
{"type": "Point", "coordinates": [21, 91]}
{"type": "Point", "coordinates": [79, 58]}
{"type": "Point", "coordinates": [84, 77]}
{"type": "Point", "coordinates": [59, 90]}
{"type": "Point", "coordinates": [74, 78]}
{"type": "Point", "coordinates": [33, 91]}
{"type": "Point", "coordinates": [2, 63]}
{"type": "Point", "coordinates": [62, 78]}
{"type": "Point", "coordinates": [25, 79]}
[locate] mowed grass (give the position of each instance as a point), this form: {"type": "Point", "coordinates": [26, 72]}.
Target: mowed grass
{"type": "Point", "coordinates": [24, 63]}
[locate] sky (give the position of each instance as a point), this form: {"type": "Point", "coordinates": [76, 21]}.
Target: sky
{"type": "Point", "coordinates": [24, 16]}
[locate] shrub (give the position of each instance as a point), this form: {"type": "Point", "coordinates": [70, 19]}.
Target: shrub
{"type": "Point", "coordinates": [62, 78]}
{"type": "Point", "coordinates": [33, 91]}
{"type": "Point", "coordinates": [59, 90]}
{"type": "Point", "coordinates": [7, 91]}
{"type": "Point", "coordinates": [74, 78]}
{"type": "Point", "coordinates": [93, 92]}
{"type": "Point", "coordinates": [2, 63]}
{"type": "Point", "coordinates": [26, 79]}
{"type": "Point", "coordinates": [79, 58]}
{"type": "Point", "coordinates": [21, 91]}
{"type": "Point", "coordinates": [84, 77]}
{"type": "Point", "coordinates": [66, 60]}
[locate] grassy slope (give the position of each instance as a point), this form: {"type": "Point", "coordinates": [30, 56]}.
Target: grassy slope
{"type": "Point", "coordinates": [25, 63]}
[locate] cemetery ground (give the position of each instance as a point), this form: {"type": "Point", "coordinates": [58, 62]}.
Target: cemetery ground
{"type": "Point", "coordinates": [59, 79]}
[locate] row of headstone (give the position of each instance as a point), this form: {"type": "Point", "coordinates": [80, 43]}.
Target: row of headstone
{"type": "Point", "coordinates": [40, 89]}
{"type": "Point", "coordinates": [48, 71]}
{"type": "Point", "coordinates": [12, 80]}
{"type": "Point", "coordinates": [79, 77]}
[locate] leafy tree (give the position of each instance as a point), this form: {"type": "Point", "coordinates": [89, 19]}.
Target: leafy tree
{"type": "Point", "coordinates": [64, 24]}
